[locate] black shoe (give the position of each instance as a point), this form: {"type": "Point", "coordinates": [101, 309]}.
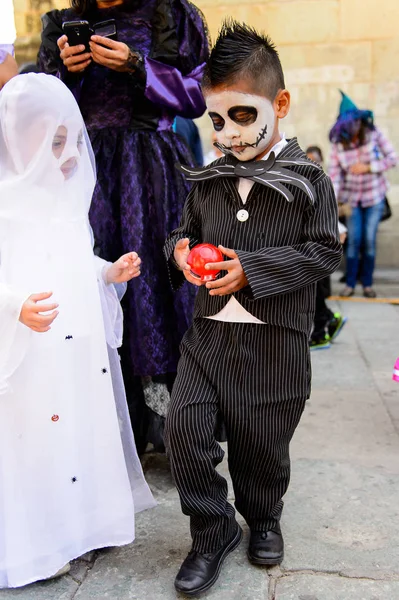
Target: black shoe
{"type": "Point", "coordinates": [266, 547]}
{"type": "Point", "coordinates": [200, 571]}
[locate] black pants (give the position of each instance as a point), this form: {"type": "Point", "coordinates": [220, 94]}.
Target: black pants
{"type": "Point", "coordinates": [257, 378]}
{"type": "Point", "coordinates": [323, 314]}
{"type": "Point", "coordinates": [148, 426]}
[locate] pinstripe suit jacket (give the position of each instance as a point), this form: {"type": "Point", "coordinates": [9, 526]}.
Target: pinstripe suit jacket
{"type": "Point", "coordinates": [284, 247]}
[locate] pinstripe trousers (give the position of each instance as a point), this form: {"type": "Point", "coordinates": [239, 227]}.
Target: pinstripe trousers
{"type": "Point", "coordinates": [257, 379]}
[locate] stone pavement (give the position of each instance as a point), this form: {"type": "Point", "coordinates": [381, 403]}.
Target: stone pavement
{"type": "Point", "coordinates": [341, 517]}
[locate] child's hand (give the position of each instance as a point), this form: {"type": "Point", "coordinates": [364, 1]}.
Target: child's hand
{"type": "Point", "coordinates": [359, 169]}
{"type": "Point", "coordinates": [180, 254]}
{"type": "Point", "coordinates": [124, 269]}
{"type": "Point", "coordinates": [31, 313]}
{"type": "Point", "coordinates": [234, 280]}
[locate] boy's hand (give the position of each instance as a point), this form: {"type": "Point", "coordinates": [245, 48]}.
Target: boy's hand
{"type": "Point", "coordinates": [124, 269]}
{"type": "Point", "coordinates": [234, 280]}
{"type": "Point", "coordinates": [31, 313]}
{"type": "Point", "coordinates": [180, 254]}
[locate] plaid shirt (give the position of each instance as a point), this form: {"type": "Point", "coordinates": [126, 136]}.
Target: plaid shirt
{"type": "Point", "coordinates": [367, 189]}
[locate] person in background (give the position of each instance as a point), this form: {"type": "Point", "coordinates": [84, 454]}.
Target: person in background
{"type": "Point", "coordinates": [28, 68]}
{"type": "Point", "coordinates": [360, 156]}
{"type": "Point", "coordinates": [315, 153]}
{"type": "Point", "coordinates": [130, 90]}
{"type": "Point", "coordinates": [188, 130]}
{"type": "Point", "coordinates": [327, 325]}
{"type": "Point", "coordinates": [8, 67]}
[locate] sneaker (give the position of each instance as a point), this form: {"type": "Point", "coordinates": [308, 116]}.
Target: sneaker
{"type": "Point", "coordinates": [335, 325]}
{"type": "Point", "coordinates": [347, 292]}
{"type": "Point", "coordinates": [368, 292]}
{"type": "Point", "coordinates": [321, 343]}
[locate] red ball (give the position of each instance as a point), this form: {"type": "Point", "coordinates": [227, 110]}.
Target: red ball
{"type": "Point", "coordinates": [201, 255]}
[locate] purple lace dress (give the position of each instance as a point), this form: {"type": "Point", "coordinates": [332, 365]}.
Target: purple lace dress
{"type": "Point", "coordinates": [139, 195]}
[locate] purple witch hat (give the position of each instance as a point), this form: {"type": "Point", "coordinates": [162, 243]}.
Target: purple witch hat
{"type": "Point", "coordinates": [347, 123]}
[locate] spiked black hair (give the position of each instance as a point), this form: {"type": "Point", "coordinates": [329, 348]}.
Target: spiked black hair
{"type": "Point", "coordinates": [241, 53]}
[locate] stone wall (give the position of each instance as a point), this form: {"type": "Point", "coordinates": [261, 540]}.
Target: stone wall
{"type": "Point", "coordinates": [27, 20]}
{"type": "Point", "coordinates": [324, 45]}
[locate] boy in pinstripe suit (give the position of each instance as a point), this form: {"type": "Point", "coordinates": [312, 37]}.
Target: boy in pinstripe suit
{"type": "Point", "coordinates": [273, 214]}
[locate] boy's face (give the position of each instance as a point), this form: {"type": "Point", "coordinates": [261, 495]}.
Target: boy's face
{"type": "Point", "coordinates": [315, 156]}
{"type": "Point", "coordinates": [245, 123]}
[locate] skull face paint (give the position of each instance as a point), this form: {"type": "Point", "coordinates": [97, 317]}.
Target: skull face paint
{"type": "Point", "coordinates": [244, 123]}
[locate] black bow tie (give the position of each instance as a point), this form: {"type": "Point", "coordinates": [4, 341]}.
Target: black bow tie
{"type": "Point", "coordinates": [270, 172]}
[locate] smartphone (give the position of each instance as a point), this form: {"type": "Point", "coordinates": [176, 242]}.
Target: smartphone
{"type": "Point", "coordinates": [78, 32]}
{"type": "Point", "coordinates": [106, 29]}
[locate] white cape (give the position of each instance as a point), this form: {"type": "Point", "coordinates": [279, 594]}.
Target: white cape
{"type": "Point", "coordinates": [70, 477]}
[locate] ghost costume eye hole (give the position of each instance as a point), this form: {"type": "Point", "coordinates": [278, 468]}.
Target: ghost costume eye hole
{"type": "Point", "coordinates": [217, 120]}
{"type": "Point", "coordinates": [243, 115]}
{"type": "Point", "coordinates": [59, 141]}
{"type": "Point", "coordinates": [80, 141]}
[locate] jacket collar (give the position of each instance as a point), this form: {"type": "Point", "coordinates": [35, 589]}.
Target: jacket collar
{"type": "Point", "coordinates": [274, 172]}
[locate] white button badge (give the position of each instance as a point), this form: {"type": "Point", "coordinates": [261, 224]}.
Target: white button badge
{"type": "Point", "coordinates": [243, 215]}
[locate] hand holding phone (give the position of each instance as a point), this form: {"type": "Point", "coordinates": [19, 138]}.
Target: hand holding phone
{"type": "Point", "coordinates": [109, 53]}
{"type": "Point", "coordinates": [75, 59]}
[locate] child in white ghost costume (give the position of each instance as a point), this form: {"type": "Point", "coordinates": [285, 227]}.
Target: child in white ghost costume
{"type": "Point", "coordinates": [70, 478]}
